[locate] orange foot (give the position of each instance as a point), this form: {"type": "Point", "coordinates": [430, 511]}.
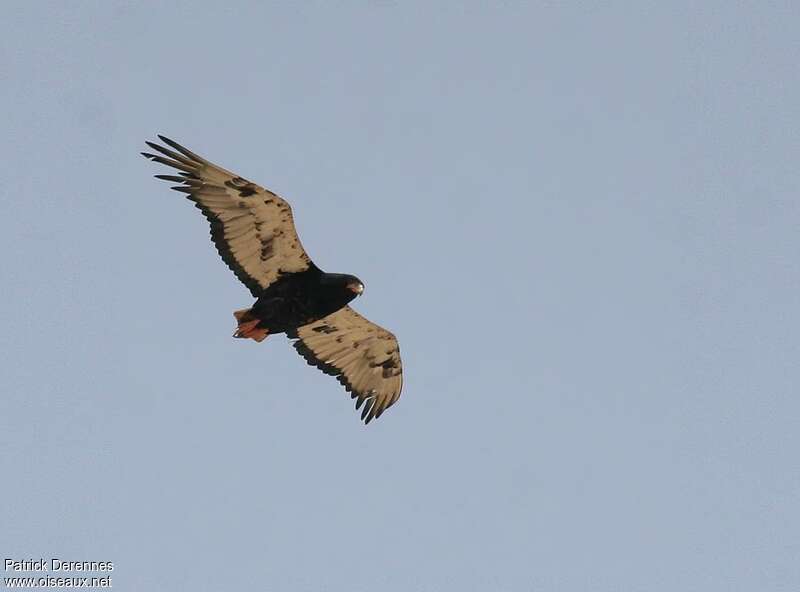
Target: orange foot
{"type": "Point", "coordinates": [248, 330]}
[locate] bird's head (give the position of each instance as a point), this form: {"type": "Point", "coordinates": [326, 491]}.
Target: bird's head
{"type": "Point", "coordinates": [348, 286]}
{"type": "Point", "coordinates": [355, 285]}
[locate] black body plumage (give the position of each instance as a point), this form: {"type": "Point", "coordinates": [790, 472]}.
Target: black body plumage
{"type": "Point", "coordinates": [299, 298]}
{"type": "Point", "coordinates": [253, 230]}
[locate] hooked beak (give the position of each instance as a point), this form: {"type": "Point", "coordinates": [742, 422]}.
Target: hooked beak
{"type": "Point", "coordinates": [356, 287]}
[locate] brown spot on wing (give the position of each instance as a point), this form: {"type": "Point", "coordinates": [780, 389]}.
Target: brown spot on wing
{"type": "Point", "coordinates": [256, 238]}
{"type": "Point", "coordinates": [364, 357]}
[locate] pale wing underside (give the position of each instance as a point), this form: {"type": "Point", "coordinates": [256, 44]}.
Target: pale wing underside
{"type": "Point", "coordinates": [364, 357]}
{"type": "Point", "coordinates": [251, 227]}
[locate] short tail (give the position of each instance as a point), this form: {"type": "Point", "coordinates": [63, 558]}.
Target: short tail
{"type": "Point", "coordinates": [248, 326]}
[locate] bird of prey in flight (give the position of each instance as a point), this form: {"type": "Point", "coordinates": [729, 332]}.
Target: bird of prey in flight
{"type": "Point", "coordinates": [253, 230]}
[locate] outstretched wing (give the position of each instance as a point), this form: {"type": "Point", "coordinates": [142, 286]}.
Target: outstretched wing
{"type": "Point", "coordinates": [251, 227]}
{"type": "Point", "coordinates": [364, 357]}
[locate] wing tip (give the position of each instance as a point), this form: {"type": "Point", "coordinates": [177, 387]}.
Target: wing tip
{"type": "Point", "coordinates": [374, 406]}
{"type": "Point", "coordinates": [183, 150]}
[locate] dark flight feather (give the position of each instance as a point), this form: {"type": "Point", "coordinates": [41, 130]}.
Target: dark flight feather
{"type": "Point", "coordinates": [254, 233]}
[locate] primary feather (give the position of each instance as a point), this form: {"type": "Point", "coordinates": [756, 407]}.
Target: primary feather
{"type": "Point", "coordinates": [253, 230]}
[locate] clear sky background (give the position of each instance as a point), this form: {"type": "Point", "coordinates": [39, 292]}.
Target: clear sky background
{"type": "Point", "coordinates": [581, 223]}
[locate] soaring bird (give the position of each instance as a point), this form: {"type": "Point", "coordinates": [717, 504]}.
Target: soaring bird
{"type": "Point", "coordinates": [254, 232]}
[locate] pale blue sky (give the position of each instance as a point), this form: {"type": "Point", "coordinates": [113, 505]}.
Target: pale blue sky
{"type": "Point", "coordinates": [580, 221]}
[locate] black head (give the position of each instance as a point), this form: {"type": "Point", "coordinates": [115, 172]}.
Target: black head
{"type": "Point", "coordinates": [349, 286]}
{"type": "Point", "coordinates": [354, 285]}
